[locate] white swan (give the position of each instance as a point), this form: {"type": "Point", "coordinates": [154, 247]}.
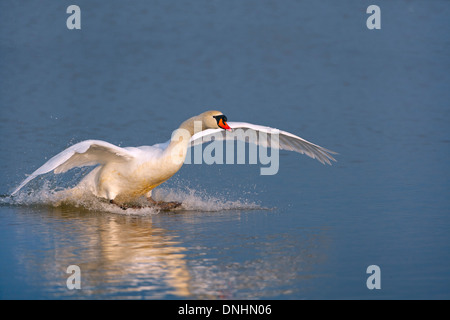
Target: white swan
{"type": "Point", "coordinates": [125, 174]}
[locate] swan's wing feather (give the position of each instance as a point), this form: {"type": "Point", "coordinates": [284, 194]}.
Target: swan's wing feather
{"type": "Point", "coordinates": [262, 135]}
{"type": "Point", "coordinates": [89, 153]}
{"type": "Point", "coordinates": [85, 153]}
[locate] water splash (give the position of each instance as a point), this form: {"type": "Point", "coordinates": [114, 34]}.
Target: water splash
{"type": "Point", "coordinates": [192, 200]}
{"type": "Point", "coordinates": [201, 200]}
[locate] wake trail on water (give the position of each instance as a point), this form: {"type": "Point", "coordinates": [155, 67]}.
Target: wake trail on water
{"type": "Point", "coordinates": [192, 199]}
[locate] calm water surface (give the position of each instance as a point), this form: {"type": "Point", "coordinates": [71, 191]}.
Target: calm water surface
{"type": "Point", "coordinates": [136, 70]}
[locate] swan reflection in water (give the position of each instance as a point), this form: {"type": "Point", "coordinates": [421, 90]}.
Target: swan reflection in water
{"type": "Point", "coordinates": [123, 256]}
{"type": "Point", "coordinates": [119, 256]}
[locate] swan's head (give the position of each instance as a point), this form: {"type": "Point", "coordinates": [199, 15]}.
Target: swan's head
{"type": "Point", "coordinates": [215, 120]}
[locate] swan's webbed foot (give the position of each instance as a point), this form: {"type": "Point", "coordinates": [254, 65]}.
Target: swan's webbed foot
{"type": "Point", "coordinates": [163, 205]}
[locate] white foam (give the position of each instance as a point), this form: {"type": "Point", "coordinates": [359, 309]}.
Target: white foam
{"type": "Point", "coordinates": [191, 199]}
{"type": "Point", "coordinates": [202, 201]}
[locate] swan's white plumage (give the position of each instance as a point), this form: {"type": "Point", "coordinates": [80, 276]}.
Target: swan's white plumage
{"type": "Point", "coordinates": [85, 153]}
{"type": "Point", "coordinates": [286, 141]}
{"type": "Point", "coordinates": [127, 173]}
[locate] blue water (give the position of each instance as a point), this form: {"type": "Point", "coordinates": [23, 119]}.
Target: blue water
{"type": "Point", "coordinates": [137, 69]}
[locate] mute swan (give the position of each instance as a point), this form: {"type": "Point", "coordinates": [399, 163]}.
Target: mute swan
{"type": "Point", "coordinates": [125, 174]}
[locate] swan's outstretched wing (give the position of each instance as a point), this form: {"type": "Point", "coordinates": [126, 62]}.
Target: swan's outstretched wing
{"type": "Point", "coordinates": [85, 153]}
{"type": "Point", "coordinates": [263, 136]}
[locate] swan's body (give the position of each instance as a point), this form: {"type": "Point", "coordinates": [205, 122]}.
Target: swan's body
{"type": "Point", "coordinates": [125, 174]}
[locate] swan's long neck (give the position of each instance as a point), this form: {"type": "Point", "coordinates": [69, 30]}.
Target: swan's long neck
{"type": "Point", "coordinates": [192, 125]}
{"type": "Point", "coordinates": [177, 149]}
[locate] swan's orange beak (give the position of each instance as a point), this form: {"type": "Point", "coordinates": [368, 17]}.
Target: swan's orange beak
{"type": "Point", "coordinates": [224, 125]}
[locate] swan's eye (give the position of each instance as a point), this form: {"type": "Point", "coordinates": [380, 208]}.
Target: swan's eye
{"type": "Point", "coordinates": [222, 122]}
{"type": "Point", "coordinates": [221, 117]}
